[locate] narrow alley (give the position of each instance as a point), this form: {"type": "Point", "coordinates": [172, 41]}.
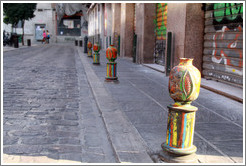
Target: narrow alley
{"type": "Point", "coordinates": [57, 104]}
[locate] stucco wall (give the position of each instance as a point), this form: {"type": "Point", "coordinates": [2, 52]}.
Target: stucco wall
{"type": "Point", "coordinates": [176, 19]}
{"type": "Point", "coordinates": [145, 14]}
{"type": "Point", "coordinates": [126, 34]}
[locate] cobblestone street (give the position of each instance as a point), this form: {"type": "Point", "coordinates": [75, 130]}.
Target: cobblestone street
{"type": "Point", "coordinates": [43, 107]}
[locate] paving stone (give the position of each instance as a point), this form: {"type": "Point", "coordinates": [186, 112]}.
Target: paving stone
{"type": "Point", "coordinates": [64, 123]}
{"type": "Point", "coordinates": [70, 116]}
{"type": "Point", "coordinates": [28, 133]}
{"type": "Point", "coordinates": [64, 148]}
{"type": "Point", "coordinates": [63, 134]}
{"type": "Point", "coordinates": [71, 156]}
{"type": "Point", "coordinates": [10, 140]}
{"type": "Point", "coordinates": [22, 149]}
{"type": "Point", "coordinates": [39, 141]}
{"type": "Point", "coordinates": [71, 141]}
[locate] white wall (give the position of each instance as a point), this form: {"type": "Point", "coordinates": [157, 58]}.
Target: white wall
{"type": "Point", "coordinates": [46, 16]}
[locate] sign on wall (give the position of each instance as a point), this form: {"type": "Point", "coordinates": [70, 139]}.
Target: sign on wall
{"type": "Point", "coordinates": [39, 28]}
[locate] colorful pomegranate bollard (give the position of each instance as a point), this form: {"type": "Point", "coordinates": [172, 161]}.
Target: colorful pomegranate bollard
{"type": "Point", "coordinates": [111, 55]}
{"type": "Point", "coordinates": [96, 55]}
{"type": "Point", "coordinates": [89, 46]}
{"type": "Point", "coordinates": [184, 87]}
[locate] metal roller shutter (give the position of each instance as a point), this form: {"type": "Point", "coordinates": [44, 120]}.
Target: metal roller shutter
{"type": "Point", "coordinates": [223, 43]}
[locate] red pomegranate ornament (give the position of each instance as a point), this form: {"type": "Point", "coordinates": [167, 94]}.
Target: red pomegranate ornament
{"type": "Point", "coordinates": [111, 53]}
{"type": "Point", "coordinates": [96, 47]}
{"type": "Point", "coordinates": [184, 82]}
{"type": "Point", "coordinates": [89, 45]}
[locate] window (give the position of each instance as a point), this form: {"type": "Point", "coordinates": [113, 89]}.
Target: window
{"type": "Point", "coordinates": [69, 26]}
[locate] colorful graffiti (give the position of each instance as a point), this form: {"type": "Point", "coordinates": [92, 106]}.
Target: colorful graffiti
{"type": "Point", "coordinates": [227, 21]}
{"type": "Point", "coordinates": [161, 21]}
{"type": "Point", "coordinates": [227, 13]}
{"type": "Point", "coordinates": [220, 54]}
{"type": "Point", "coordinates": [160, 32]}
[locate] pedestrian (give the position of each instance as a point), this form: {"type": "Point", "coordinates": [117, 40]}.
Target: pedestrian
{"type": "Point", "coordinates": [47, 37]}
{"type": "Point", "coordinates": [44, 37]}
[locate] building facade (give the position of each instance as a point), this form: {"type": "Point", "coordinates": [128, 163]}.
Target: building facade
{"type": "Point", "coordinates": [65, 22]}
{"type": "Point", "coordinates": [33, 28]}
{"type": "Point", "coordinates": [161, 33]}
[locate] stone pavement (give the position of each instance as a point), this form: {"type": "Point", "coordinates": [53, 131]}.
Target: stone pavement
{"type": "Point", "coordinates": [58, 108]}
{"type": "Point", "coordinates": [49, 109]}
{"type": "Point", "coordinates": [142, 94]}
{"type": "Point", "coordinates": [11, 48]}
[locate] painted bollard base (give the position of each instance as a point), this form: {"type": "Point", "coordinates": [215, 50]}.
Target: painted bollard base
{"type": "Point", "coordinates": [96, 59]}
{"type": "Point", "coordinates": [180, 130]}
{"type": "Point", "coordinates": [173, 158]}
{"type": "Point", "coordinates": [110, 79]}
{"type": "Point", "coordinates": [111, 72]}
{"type": "Point", "coordinates": [177, 151]}
{"type": "Point", "coordinates": [89, 53]}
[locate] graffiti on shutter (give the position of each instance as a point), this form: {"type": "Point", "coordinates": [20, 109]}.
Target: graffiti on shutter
{"type": "Point", "coordinates": [223, 43]}
{"type": "Point", "coordinates": [160, 32]}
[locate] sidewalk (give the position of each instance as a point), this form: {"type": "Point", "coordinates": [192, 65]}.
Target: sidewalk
{"type": "Point", "coordinates": [134, 110]}
{"type": "Point", "coordinates": [224, 89]}
{"type": "Point", "coordinates": [9, 48]}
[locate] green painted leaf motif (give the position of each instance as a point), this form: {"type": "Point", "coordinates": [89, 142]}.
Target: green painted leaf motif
{"type": "Point", "coordinates": [187, 84]}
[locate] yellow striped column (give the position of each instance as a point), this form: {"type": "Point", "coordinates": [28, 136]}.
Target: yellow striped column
{"type": "Point", "coordinates": [89, 52]}
{"type": "Point", "coordinates": [179, 136]}
{"type": "Point", "coordinates": [111, 71]}
{"type": "Point", "coordinates": [96, 58]}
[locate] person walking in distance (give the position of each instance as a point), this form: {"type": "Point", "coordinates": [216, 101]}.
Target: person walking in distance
{"type": "Point", "coordinates": [44, 37]}
{"type": "Point", "coordinates": [47, 37]}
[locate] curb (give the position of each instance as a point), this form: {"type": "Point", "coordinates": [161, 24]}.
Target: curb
{"type": "Point", "coordinates": [127, 144]}
{"type": "Point", "coordinates": [223, 93]}
{"type": "Point", "coordinates": [21, 47]}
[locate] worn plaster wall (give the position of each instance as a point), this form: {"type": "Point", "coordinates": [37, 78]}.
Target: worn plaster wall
{"type": "Point", "coordinates": [116, 7]}
{"type": "Point", "coordinates": [44, 16]}
{"type": "Point", "coordinates": [127, 28]}
{"type": "Point", "coordinates": [186, 21]}
{"type": "Point", "coordinates": [145, 14]}
{"type": "Point", "coordinates": [176, 20]}
{"type": "Point", "coordinates": [194, 29]}
{"type": "Point", "coordinates": [139, 28]}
